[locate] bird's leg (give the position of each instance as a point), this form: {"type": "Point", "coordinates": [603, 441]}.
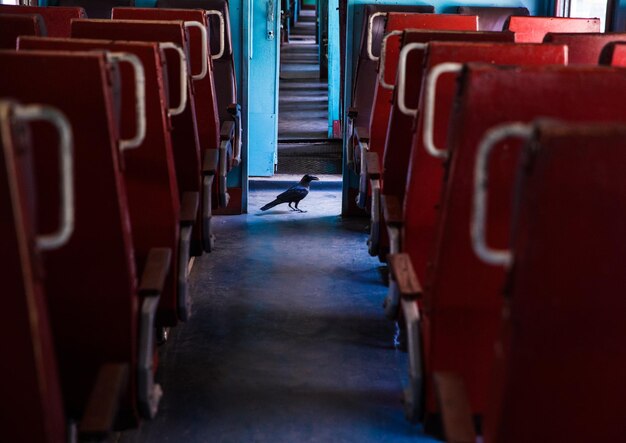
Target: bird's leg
{"type": "Point", "coordinates": [291, 207]}
{"type": "Point", "coordinates": [298, 209]}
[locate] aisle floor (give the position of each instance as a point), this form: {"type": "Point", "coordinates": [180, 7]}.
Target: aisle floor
{"type": "Point", "coordinates": [288, 342]}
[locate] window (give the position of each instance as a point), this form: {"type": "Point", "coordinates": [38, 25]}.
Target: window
{"type": "Point", "coordinates": [584, 9]}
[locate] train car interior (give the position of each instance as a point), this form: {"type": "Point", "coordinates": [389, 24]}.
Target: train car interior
{"type": "Point", "coordinates": [282, 221]}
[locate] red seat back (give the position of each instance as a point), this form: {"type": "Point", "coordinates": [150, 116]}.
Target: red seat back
{"type": "Point", "coordinates": [149, 173]}
{"type": "Point", "coordinates": [57, 19]}
{"type": "Point", "coordinates": [534, 29]}
{"type": "Point", "coordinates": [462, 301]}
{"type": "Point", "coordinates": [562, 361]}
{"type": "Point", "coordinates": [29, 380]}
{"type": "Point", "coordinates": [614, 54]}
{"type": "Point", "coordinates": [91, 282]}
{"type": "Point", "coordinates": [425, 172]}
{"type": "Point", "coordinates": [184, 133]}
{"type": "Point", "coordinates": [205, 94]}
{"type": "Point", "coordinates": [14, 25]}
{"type": "Point", "coordinates": [584, 48]}
{"type": "Point", "coordinates": [491, 18]}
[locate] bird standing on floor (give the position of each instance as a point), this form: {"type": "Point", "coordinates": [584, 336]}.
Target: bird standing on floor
{"type": "Point", "coordinates": [293, 195]}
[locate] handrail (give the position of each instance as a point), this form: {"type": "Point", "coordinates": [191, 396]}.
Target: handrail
{"type": "Point", "coordinates": [140, 97]}
{"type": "Point", "coordinates": [370, 24]}
{"type": "Point", "coordinates": [478, 222]}
{"type": "Point", "coordinates": [429, 106]}
{"type": "Point", "coordinates": [203, 50]}
{"type": "Point", "coordinates": [36, 112]}
{"type": "Point", "coordinates": [183, 77]}
{"type": "Point", "coordinates": [401, 83]}
{"type": "Point", "coordinates": [383, 60]}
{"type": "Point", "coordinates": [222, 33]}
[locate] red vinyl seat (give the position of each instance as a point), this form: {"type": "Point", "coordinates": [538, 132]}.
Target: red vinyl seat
{"type": "Point", "coordinates": [191, 167]}
{"type": "Point", "coordinates": [14, 25]}
{"type": "Point", "coordinates": [492, 18]}
{"type": "Point", "coordinates": [461, 302]}
{"type": "Point", "coordinates": [153, 197]}
{"type": "Point", "coordinates": [614, 54]}
{"type": "Point", "coordinates": [102, 301]}
{"type": "Point", "coordinates": [393, 161]}
{"type": "Point", "coordinates": [29, 379]}
{"type": "Point", "coordinates": [57, 19]}
{"type": "Point", "coordinates": [561, 355]}
{"type": "Point", "coordinates": [534, 29]}
{"type": "Point", "coordinates": [584, 48]}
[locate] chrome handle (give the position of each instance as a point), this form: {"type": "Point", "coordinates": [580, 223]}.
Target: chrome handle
{"type": "Point", "coordinates": [140, 97]}
{"type": "Point", "coordinates": [203, 50]}
{"type": "Point", "coordinates": [222, 33]}
{"type": "Point", "coordinates": [30, 113]}
{"type": "Point", "coordinates": [183, 78]}
{"type": "Point", "coordinates": [429, 106]}
{"type": "Point", "coordinates": [401, 83]}
{"type": "Point", "coordinates": [478, 222]}
{"type": "Point", "coordinates": [370, 24]}
{"type": "Point", "coordinates": [383, 60]}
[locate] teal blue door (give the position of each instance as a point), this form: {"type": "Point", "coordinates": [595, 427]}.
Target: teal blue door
{"type": "Point", "coordinates": [261, 80]}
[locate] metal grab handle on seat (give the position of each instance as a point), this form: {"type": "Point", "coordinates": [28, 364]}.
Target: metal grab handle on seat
{"type": "Point", "coordinates": [203, 50]}
{"type": "Point", "coordinates": [222, 33]}
{"type": "Point", "coordinates": [478, 220]}
{"type": "Point", "coordinates": [183, 77]}
{"type": "Point", "coordinates": [401, 83]}
{"type": "Point", "coordinates": [30, 113]}
{"type": "Point", "coordinates": [370, 24]}
{"type": "Point", "coordinates": [429, 106]}
{"type": "Point", "coordinates": [140, 97]}
{"type": "Point", "coordinates": [383, 59]}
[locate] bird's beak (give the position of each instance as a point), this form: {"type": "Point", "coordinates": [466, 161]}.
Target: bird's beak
{"type": "Point", "coordinates": [314, 178]}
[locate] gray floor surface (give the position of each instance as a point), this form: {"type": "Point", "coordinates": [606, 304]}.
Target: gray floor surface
{"type": "Point", "coordinates": [288, 342]}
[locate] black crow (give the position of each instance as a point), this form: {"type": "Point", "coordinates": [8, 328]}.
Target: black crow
{"type": "Point", "coordinates": [293, 194]}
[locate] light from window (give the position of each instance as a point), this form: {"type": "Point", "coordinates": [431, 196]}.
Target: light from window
{"type": "Point", "coordinates": [589, 9]}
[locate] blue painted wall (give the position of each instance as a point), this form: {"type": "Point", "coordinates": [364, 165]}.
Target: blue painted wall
{"type": "Point", "coordinates": [354, 14]}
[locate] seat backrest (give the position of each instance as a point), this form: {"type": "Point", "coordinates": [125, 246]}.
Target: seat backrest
{"type": "Point", "coordinates": [149, 171]}
{"type": "Point", "coordinates": [57, 19]}
{"type": "Point", "coordinates": [184, 134]}
{"type": "Point", "coordinates": [614, 54]}
{"type": "Point", "coordinates": [534, 29]}
{"type": "Point", "coordinates": [366, 69]}
{"type": "Point", "coordinates": [14, 25]}
{"type": "Point", "coordinates": [491, 18]}
{"type": "Point", "coordinates": [205, 96]}
{"type": "Point", "coordinates": [224, 67]}
{"type": "Point", "coordinates": [97, 8]}
{"type": "Point", "coordinates": [90, 282]}
{"type": "Point", "coordinates": [561, 354]}
{"type": "Point", "coordinates": [425, 172]}
{"type": "Point", "coordinates": [463, 292]}
{"type": "Point", "coordinates": [584, 48]}
{"type": "Point", "coordinates": [398, 135]}
{"type": "Point", "coordinates": [30, 380]}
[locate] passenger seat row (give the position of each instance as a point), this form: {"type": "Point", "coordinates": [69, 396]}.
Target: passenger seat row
{"type": "Point", "coordinates": [491, 169]}
{"type": "Point", "coordinates": [116, 145]}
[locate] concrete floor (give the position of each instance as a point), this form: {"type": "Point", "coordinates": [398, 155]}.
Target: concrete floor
{"type": "Point", "coordinates": [288, 342]}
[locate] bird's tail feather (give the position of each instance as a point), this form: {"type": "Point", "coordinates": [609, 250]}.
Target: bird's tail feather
{"type": "Point", "coordinates": [271, 205]}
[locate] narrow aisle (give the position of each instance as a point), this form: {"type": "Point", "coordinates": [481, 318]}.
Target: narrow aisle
{"type": "Point", "coordinates": [288, 342]}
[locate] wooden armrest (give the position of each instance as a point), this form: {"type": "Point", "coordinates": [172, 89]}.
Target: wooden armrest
{"type": "Point", "coordinates": [227, 130]}
{"type": "Point", "coordinates": [189, 208]}
{"type": "Point", "coordinates": [362, 133]}
{"type": "Point", "coordinates": [210, 161]}
{"type": "Point", "coordinates": [155, 271]}
{"type": "Point", "coordinates": [456, 413]}
{"type": "Point", "coordinates": [103, 403]}
{"type": "Point", "coordinates": [404, 274]}
{"type": "Point", "coordinates": [372, 165]}
{"type": "Point", "coordinates": [392, 209]}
